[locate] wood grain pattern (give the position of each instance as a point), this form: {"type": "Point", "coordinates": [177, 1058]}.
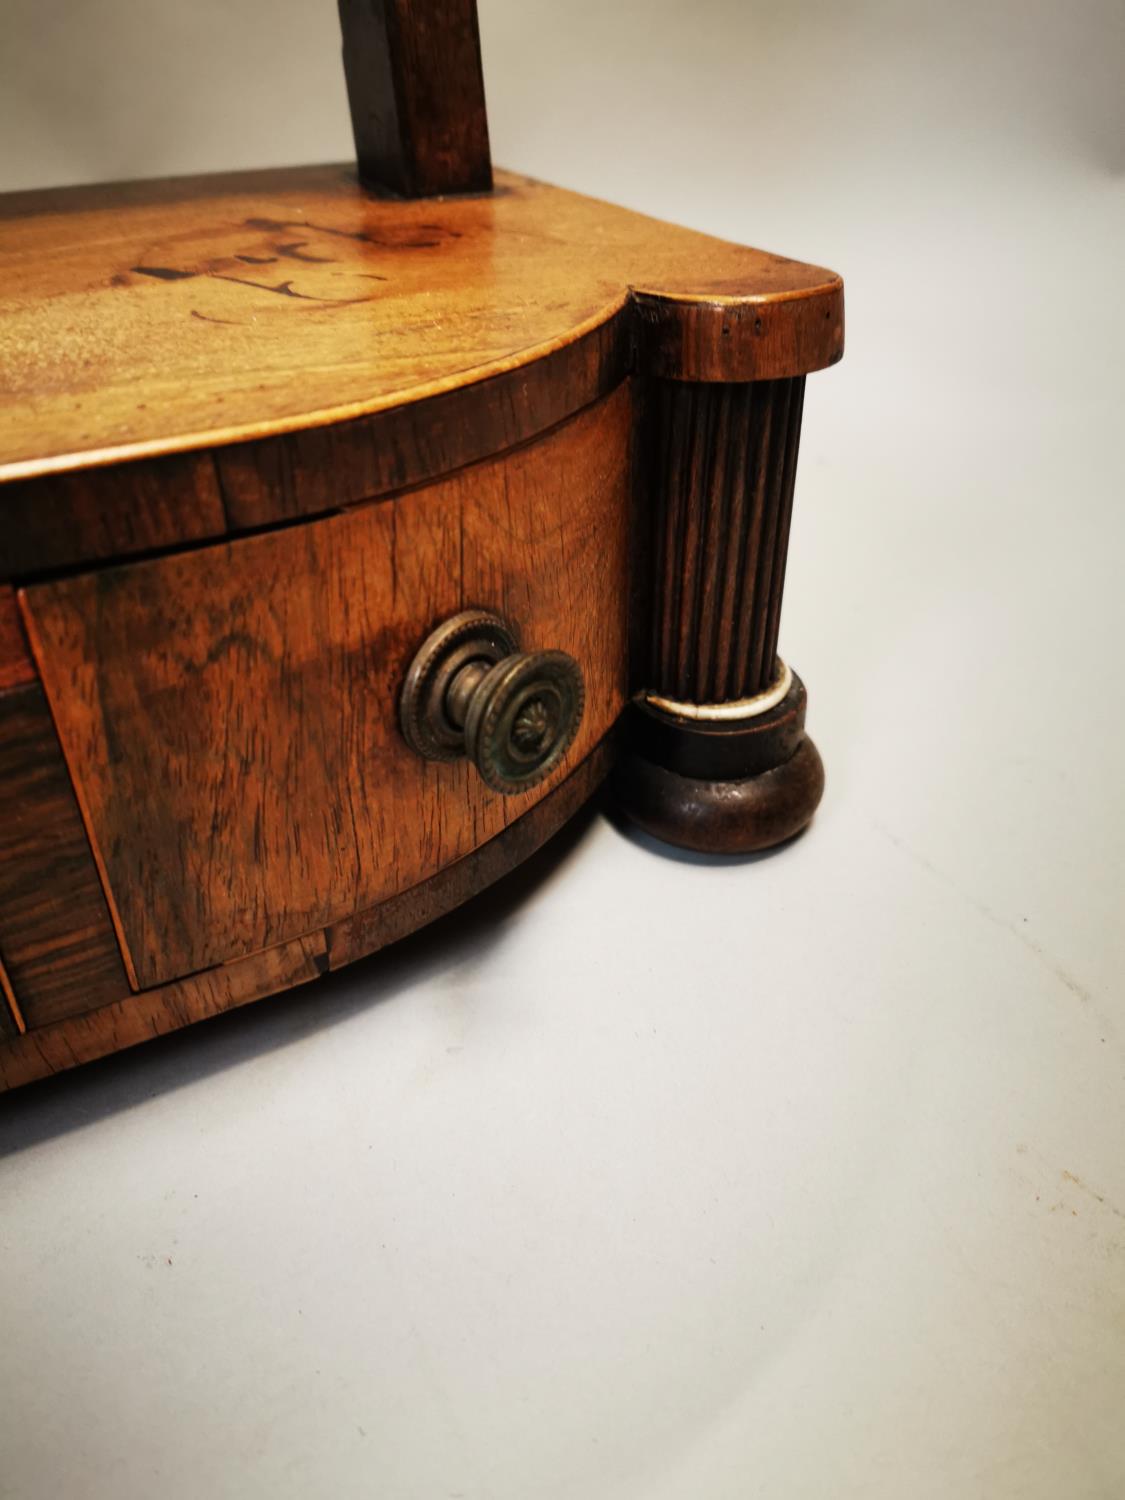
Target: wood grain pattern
{"type": "Point", "coordinates": [186, 361]}
{"type": "Point", "coordinates": [11, 1017]}
{"type": "Point", "coordinates": [735, 339]}
{"type": "Point", "coordinates": [416, 91]}
{"type": "Point", "coordinates": [16, 666]}
{"type": "Point", "coordinates": [326, 468]}
{"type": "Point", "coordinates": [742, 816]}
{"type": "Point", "coordinates": [720, 472]}
{"type": "Point", "coordinates": [155, 1012]}
{"type": "Point", "coordinates": [375, 928]}
{"type": "Point", "coordinates": [229, 714]}
{"type": "Point", "coordinates": [51, 1048]}
{"type": "Point", "coordinates": [56, 939]}
{"type": "Point", "coordinates": [724, 462]}
{"type": "Point", "coordinates": [61, 519]}
{"type": "Point", "coordinates": [150, 319]}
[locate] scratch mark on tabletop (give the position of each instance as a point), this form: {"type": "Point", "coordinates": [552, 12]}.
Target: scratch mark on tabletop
{"type": "Point", "coordinates": [228, 322]}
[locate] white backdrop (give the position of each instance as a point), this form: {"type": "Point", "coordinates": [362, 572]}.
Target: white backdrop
{"type": "Point", "coordinates": [651, 1177]}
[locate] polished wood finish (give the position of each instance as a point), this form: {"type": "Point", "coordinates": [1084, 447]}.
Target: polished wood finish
{"type": "Point", "coordinates": [723, 816]}
{"type": "Point", "coordinates": [719, 750]}
{"type": "Point", "coordinates": [735, 338]}
{"type": "Point", "coordinates": [153, 319]}
{"type": "Point", "coordinates": [56, 941]}
{"type": "Point", "coordinates": [723, 466]}
{"type": "Point", "coordinates": [380, 925]}
{"type": "Point", "coordinates": [229, 714]}
{"type": "Point", "coordinates": [62, 519]}
{"type": "Point", "coordinates": [12, 1022]}
{"type": "Point", "coordinates": [16, 666]}
{"type": "Point", "coordinates": [259, 434]}
{"type": "Point", "coordinates": [325, 468]}
{"type": "Point", "coordinates": [416, 91]}
{"type": "Point", "coordinates": [52, 1048]}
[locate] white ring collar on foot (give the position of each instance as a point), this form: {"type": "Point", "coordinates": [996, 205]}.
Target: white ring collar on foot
{"type": "Point", "coordinates": [736, 708]}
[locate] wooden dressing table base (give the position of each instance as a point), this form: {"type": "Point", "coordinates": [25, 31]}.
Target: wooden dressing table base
{"type": "Point", "coordinates": [267, 435]}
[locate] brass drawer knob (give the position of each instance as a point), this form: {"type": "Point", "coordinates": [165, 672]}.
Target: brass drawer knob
{"type": "Point", "coordinates": [471, 691]}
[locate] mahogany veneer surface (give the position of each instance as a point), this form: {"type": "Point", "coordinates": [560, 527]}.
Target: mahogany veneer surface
{"type": "Point", "coordinates": [16, 667]}
{"type": "Point", "coordinates": [149, 318]}
{"type": "Point", "coordinates": [56, 939]}
{"type": "Point", "coordinates": [46, 1049]}
{"type": "Point", "coordinates": [229, 714]}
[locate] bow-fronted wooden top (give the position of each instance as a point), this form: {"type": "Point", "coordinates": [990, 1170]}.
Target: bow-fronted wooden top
{"type": "Point", "coordinates": [153, 318]}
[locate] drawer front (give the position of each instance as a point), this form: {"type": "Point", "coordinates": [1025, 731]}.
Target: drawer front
{"type": "Point", "coordinates": [229, 715]}
{"type": "Point", "coordinates": [57, 945]}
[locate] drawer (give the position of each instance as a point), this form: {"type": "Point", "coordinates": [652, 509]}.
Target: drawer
{"type": "Point", "coordinates": [229, 714]}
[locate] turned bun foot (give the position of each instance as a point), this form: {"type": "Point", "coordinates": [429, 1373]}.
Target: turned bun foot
{"type": "Point", "coordinates": [722, 817]}
{"type": "Point", "coordinates": [726, 785]}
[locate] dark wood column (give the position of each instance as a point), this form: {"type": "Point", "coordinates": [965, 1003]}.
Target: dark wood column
{"type": "Point", "coordinates": [719, 760]}
{"type": "Point", "coordinates": [724, 462]}
{"type": "Point", "coordinates": [416, 91]}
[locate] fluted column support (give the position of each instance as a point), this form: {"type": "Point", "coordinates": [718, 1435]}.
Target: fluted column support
{"type": "Point", "coordinates": [718, 759]}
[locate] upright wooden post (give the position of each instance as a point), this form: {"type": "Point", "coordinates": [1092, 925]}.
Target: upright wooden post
{"type": "Point", "coordinates": [416, 91]}
{"type": "Point", "coordinates": [718, 757]}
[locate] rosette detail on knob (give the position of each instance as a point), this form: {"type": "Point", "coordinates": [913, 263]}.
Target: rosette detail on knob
{"type": "Point", "coordinates": [471, 692]}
